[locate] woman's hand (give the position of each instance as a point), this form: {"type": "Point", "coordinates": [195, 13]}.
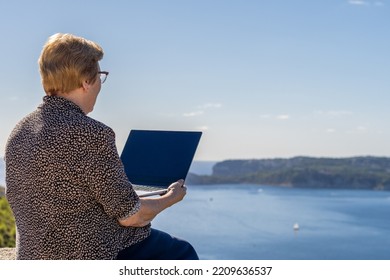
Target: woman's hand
{"type": "Point", "coordinates": [176, 191]}
{"type": "Point", "coordinates": [151, 206]}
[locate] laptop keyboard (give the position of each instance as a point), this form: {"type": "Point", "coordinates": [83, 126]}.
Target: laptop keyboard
{"type": "Point", "coordinates": [146, 188]}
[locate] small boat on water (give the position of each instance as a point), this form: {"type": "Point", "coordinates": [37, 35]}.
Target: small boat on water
{"type": "Point", "coordinates": [296, 227]}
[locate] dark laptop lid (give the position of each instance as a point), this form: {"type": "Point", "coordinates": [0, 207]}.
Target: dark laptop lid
{"type": "Point", "coordinates": [159, 158]}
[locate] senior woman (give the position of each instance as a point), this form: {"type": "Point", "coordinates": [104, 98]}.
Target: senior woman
{"type": "Point", "coordinates": [65, 182]}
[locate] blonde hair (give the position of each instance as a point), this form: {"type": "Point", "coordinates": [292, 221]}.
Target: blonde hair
{"type": "Point", "coordinates": [66, 61]}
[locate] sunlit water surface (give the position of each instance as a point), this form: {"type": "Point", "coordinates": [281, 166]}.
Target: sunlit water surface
{"type": "Point", "coordinates": [257, 222]}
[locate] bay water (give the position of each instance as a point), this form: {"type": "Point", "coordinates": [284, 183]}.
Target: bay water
{"type": "Point", "coordinates": [274, 223]}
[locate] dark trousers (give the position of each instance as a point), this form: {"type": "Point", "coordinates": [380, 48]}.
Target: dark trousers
{"type": "Point", "coordinates": [159, 246]}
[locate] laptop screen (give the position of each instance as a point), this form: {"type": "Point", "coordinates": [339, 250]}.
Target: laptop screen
{"type": "Point", "coordinates": [159, 158]}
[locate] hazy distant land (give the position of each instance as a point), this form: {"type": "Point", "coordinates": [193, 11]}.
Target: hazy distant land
{"type": "Point", "coordinates": [303, 172]}
{"type": "Point", "coordinates": [2, 172]}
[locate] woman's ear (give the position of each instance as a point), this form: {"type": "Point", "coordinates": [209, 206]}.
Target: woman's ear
{"type": "Point", "coordinates": [86, 85]}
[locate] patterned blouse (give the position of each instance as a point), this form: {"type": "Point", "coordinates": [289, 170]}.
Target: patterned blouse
{"type": "Point", "coordinates": [67, 187]}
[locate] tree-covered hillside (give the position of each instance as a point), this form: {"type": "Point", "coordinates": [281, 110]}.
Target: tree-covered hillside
{"type": "Point", "coordinates": [304, 172]}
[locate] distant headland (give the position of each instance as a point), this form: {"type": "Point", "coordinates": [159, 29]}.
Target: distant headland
{"type": "Point", "coordinates": [366, 172]}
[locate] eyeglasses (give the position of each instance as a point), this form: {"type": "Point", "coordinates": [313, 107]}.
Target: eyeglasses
{"type": "Point", "coordinates": [103, 76]}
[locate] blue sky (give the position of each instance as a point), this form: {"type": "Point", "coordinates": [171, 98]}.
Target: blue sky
{"type": "Point", "coordinates": [261, 79]}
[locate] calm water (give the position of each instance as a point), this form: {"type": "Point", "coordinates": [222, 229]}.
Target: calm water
{"type": "Point", "coordinates": [256, 222]}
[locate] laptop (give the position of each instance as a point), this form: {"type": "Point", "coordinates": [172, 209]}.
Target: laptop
{"type": "Point", "coordinates": [154, 159]}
